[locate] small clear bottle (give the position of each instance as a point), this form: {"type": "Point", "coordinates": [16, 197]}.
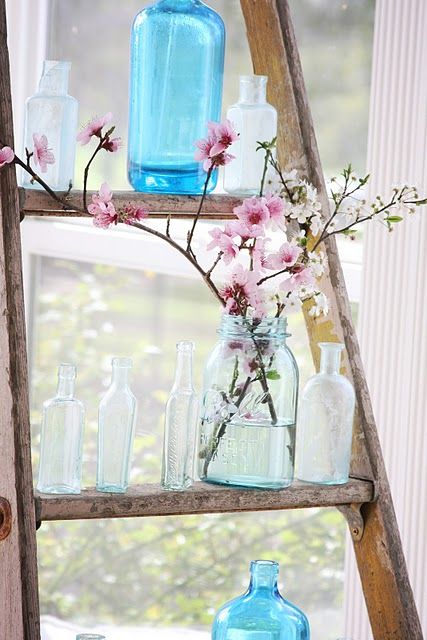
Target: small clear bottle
{"type": "Point", "coordinates": [116, 429]}
{"type": "Point", "coordinates": [60, 468]}
{"type": "Point", "coordinates": [256, 121]}
{"type": "Point", "coordinates": [53, 113]}
{"type": "Point", "coordinates": [325, 425]}
{"type": "Point", "coordinates": [180, 424]}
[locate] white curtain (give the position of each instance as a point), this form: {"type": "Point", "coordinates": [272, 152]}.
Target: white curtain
{"type": "Point", "coordinates": [393, 312]}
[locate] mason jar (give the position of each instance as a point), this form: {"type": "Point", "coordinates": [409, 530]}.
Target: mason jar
{"type": "Point", "coordinates": [248, 414]}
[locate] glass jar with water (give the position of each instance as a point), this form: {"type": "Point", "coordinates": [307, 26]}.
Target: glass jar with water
{"type": "Point", "coordinates": [248, 415]}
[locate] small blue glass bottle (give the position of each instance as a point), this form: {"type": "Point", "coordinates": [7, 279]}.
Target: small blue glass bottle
{"type": "Point", "coordinates": [261, 613]}
{"type": "Point", "coordinates": [177, 67]}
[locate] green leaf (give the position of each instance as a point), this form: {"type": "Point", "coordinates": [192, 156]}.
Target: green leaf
{"type": "Point", "coordinates": [272, 375]}
{"type": "Point", "coordinates": [394, 219]}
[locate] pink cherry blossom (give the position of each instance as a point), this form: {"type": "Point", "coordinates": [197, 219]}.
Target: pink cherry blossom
{"type": "Point", "coordinates": [275, 206]}
{"type": "Point", "coordinates": [254, 214]}
{"type": "Point", "coordinates": [258, 253]}
{"type": "Point", "coordinates": [287, 256]}
{"type": "Point", "coordinates": [41, 154]}
{"type": "Point", "coordinates": [112, 144]}
{"type": "Point", "coordinates": [224, 134]}
{"type": "Point", "coordinates": [222, 239]}
{"type": "Point", "coordinates": [131, 214]}
{"type": "Point", "coordinates": [102, 208]}
{"type": "Point", "coordinates": [94, 128]}
{"type": "Point", "coordinates": [302, 277]}
{"type": "Point", "coordinates": [6, 156]}
{"type": "Point", "coordinates": [204, 147]}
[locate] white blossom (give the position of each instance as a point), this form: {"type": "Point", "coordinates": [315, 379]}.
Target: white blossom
{"type": "Point", "coordinates": [320, 306]}
{"type": "Point", "coordinates": [317, 262]}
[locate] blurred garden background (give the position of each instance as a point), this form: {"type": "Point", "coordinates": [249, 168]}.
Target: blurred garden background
{"type": "Point", "coordinates": [174, 572]}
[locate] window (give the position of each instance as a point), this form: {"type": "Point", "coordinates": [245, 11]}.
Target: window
{"type": "Point", "coordinates": [93, 294]}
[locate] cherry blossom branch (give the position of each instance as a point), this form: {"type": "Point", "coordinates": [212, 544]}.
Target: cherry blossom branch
{"type": "Point", "coordinates": [87, 167]}
{"type": "Point", "coordinates": [199, 210]}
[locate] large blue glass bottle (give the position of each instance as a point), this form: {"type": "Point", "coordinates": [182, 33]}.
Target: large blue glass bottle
{"type": "Point", "coordinates": [261, 613]}
{"type": "Point", "coordinates": [177, 66]}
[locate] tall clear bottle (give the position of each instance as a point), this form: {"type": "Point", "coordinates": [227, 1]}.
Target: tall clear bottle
{"type": "Point", "coordinates": [60, 468]}
{"type": "Point", "coordinates": [177, 66]}
{"type": "Point", "coordinates": [256, 121]}
{"type": "Point", "coordinates": [180, 424]}
{"type": "Point", "coordinates": [325, 424]}
{"type": "Point", "coordinates": [261, 613]}
{"type": "Point", "coordinates": [116, 429]}
{"type": "Point", "coordinates": [53, 113]}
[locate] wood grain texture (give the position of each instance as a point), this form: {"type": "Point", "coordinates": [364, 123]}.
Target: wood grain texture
{"type": "Point", "coordinates": [388, 593]}
{"type": "Point", "coordinates": [151, 500]}
{"type": "Point", "coordinates": [19, 617]}
{"type": "Point", "coordinates": [39, 203]}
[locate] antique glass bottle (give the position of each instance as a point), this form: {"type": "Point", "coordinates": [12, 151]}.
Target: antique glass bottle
{"type": "Point", "coordinates": [261, 613]}
{"type": "Point", "coordinates": [116, 427]}
{"type": "Point", "coordinates": [256, 121]}
{"type": "Point", "coordinates": [180, 424]}
{"type": "Point", "coordinates": [53, 113]}
{"type": "Point", "coordinates": [177, 65]}
{"type": "Point", "coordinates": [60, 468]}
{"type": "Point", "coordinates": [248, 415]}
{"type": "Point", "coordinates": [326, 422]}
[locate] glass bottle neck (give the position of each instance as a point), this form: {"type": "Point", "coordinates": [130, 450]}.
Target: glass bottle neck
{"type": "Point", "coordinates": [177, 4]}
{"type": "Point", "coordinates": [54, 79]}
{"type": "Point", "coordinates": [253, 89]}
{"type": "Point", "coordinates": [66, 377]}
{"type": "Point", "coordinates": [330, 359]}
{"type": "Point", "coordinates": [184, 366]}
{"type": "Point", "coordinates": [264, 575]}
{"type": "Point", "coordinates": [120, 373]}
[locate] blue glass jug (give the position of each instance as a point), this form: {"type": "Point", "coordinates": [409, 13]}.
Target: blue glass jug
{"type": "Point", "coordinates": [261, 613]}
{"type": "Point", "coordinates": [177, 66]}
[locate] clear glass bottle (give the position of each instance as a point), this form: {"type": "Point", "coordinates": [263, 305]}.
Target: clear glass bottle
{"type": "Point", "coordinates": [60, 469]}
{"type": "Point", "coordinates": [256, 121]}
{"type": "Point", "coordinates": [116, 429]}
{"type": "Point", "coordinates": [53, 113]}
{"type": "Point", "coordinates": [180, 424]}
{"type": "Point", "coordinates": [248, 415]}
{"type": "Point", "coordinates": [326, 422]}
{"type": "Point", "coordinates": [177, 66]}
{"type": "Point", "coordinates": [261, 613]}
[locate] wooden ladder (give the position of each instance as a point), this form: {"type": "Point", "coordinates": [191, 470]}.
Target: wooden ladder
{"type": "Point", "coordinates": [365, 501]}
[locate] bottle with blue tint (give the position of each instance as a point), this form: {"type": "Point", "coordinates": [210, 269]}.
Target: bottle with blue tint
{"type": "Point", "coordinates": [177, 67]}
{"type": "Point", "coordinates": [261, 613]}
{"type": "Point", "coordinates": [60, 468]}
{"type": "Point", "coordinates": [325, 426]}
{"type": "Point", "coordinates": [116, 428]}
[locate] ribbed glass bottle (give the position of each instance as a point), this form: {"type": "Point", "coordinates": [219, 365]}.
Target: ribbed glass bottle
{"type": "Point", "coordinates": [326, 422]}
{"type": "Point", "coordinates": [60, 469]}
{"type": "Point", "coordinates": [261, 613]}
{"type": "Point", "coordinates": [177, 66]}
{"type": "Point", "coordinates": [116, 427]}
{"type": "Point", "coordinates": [256, 121]}
{"type": "Point", "coordinates": [248, 414]}
{"type": "Point", "coordinates": [180, 424]}
{"type": "Point", "coordinates": [53, 113]}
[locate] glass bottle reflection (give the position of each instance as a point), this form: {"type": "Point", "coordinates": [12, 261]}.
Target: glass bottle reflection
{"type": "Point", "coordinates": [60, 468]}
{"type": "Point", "coordinates": [116, 426]}
{"type": "Point", "coordinates": [180, 424]}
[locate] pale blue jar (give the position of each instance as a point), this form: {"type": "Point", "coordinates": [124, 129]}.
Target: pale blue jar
{"type": "Point", "coordinates": [261, 613]}
{"type": "Point", "coordinates": [177, 67]}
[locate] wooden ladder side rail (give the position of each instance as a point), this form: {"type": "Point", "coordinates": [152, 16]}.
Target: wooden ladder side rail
{"type": "Point", "coordinates": [19, 606]}
{"type": "Point", "coordinates": [379, 553]}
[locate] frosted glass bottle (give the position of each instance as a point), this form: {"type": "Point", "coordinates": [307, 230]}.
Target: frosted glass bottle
{"type": "Point", "coordinates": [53, 113]}
{"type": "Point", "coordinates": [325, 425]}
{"type": "Point", "coordinates": [256, 121]}
{"type": "Point", "coordinates": [116, 428]}
{"type": "Point", "coordinates": [180, 424]}
{"type": "Point", "coordinates": [60, 468]}
{"type": "Point", "coordinates": [177, 66]}
{"type": "Point", "coordinates": [261, 613]}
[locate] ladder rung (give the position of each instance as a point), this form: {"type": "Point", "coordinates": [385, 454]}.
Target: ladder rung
{"type": "Point", "coordinates": [33, 202]}
{"type": "Point", "coordinates": [150, 500]}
